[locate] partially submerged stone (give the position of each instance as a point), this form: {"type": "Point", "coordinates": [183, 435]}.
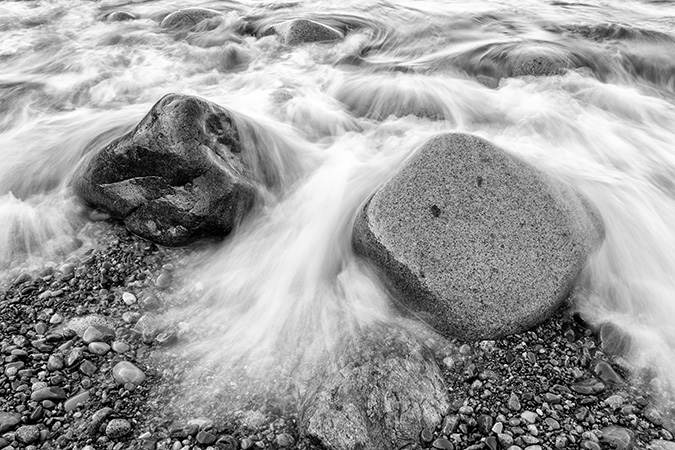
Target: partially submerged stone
{"type": "Point", "coordinates": [189, 169]}
{"type": "Point", "coordinates": [379, 391]}
{"type": "Point", "coordinates": [303, 31]}
{"type": "Point", "coordinates": [120, 16]}
{"type": "Point", "coordinates": [187, 18]}
{"type": "Point", "coordinates": [476, 242]}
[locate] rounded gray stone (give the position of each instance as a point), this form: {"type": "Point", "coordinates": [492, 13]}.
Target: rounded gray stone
{"type": "Point", "coordinates": [477, 242]}
{"type": "Point", "coordinates": [187, 18]}
{"type": "Point", "coordinates": [302, 31]}
{"type": "Point", "coordinates": [28, 434]}
{"type": "Point", "coordinates": [118, 428]}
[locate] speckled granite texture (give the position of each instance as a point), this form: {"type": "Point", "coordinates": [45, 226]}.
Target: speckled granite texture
{"type": "Point", "coordinates": [475, 241]}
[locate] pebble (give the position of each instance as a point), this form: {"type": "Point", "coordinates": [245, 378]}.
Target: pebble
{"type": "Point", "coordinates": [99, 348]}
{"type": "Point", "coordinates": [661, 444]}
{"type": "Point", "coordinates": [206, 438]}
{"type": "Point", "coordinates": [614, 401]}
{"type": "Point", "coordinates": [73, 402]}
{"type": "Point", "coordinates": [125, 372]}
{"type": "Point", "coordinates": [227, 442]}
{"type": "Point", "coordinates": [48, 393]}
{"type": "Point", "coordinates": [96, 333]}
{"type": "Point", "coordinates": [607, 373]}
{"type": "Point", "coordinates": [552, 423]}
{"type": "Point", "coordinates": [27, 434]}
{"type": "Point", "coordinates": [97, 419]}
{"type": "Point", "coordinates": [8, 421]}
{"type": "Point", "coordinates": [55, 362]}
{"type": "Point", "coordinates": [443, 444]}
{"type": "Point", "coordinates": [163, 280]}
{"type": "Point", "coordinates": [589, 386]}
{"type": "Point", "coordinates": [88, 368]}
{"type": "Point", "coordinates": [128, 298]}
{"type": "Point", "coordinates": [514, 402]}
{"type": "Point", "coordinates": [529, 416]}
{"type": "Point", "coordinates": [118, 428]}
{"type": "Point", "coordinates": [120, 347]}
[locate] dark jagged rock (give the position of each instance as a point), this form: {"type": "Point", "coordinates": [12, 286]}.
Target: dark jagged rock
{"type": "Point", "coordinates": [381, 391]}
{"type": "Point", "coordinates": [478, 243]}
{"type": "Point", "coordinates": [187, 18]}
{"type": "Point", "coordinates": [189, 169]}
{"type": "Point", "coordinates": [303, 31]}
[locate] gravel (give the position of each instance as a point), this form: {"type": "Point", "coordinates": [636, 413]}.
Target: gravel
{"type": "Point", "coordinates": [553, 387]}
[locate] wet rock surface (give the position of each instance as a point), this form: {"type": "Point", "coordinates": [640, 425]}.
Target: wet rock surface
{"type": "Point", "coordinates": [478, 243]}
{"type": "Point", "coordinates": [188, 18]}
{"type": "Point", "coordinates": [303, 31]}
{"type": "Point", "coordinates": [517, 391]}
{"type": "Point", "coordinates": [384, 389]}
{"type": "Point", "coordinates": [189, 169]}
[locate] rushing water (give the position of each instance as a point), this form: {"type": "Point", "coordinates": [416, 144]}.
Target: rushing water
{"type": "Point", "coordinates": [71, 81]}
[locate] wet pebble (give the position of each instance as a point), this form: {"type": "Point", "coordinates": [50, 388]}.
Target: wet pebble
{"type": "Point", "coordinates": [163, 280]}
{"type": "Point", "coordinates": [48, 393]}
{"type": "Point", "coordinates": [73, 402]}
{"type": "Point", "coordinates": [55, 362]}
{"type": "Point", "coordinates": [118, 428]}
{"type": "Point", "coordinates": [128, 298]}
{"type": "Point", "coordinates": [8, 421]}
{"type": "Point", "coordinates": [27, 434]}
{"type": "Point", "coordinates": [99, 348]}
{"type": "Point", "coordinates": [206, 438]}
{"type": "Point", "coordinates": [120, 347]}
{"type": "Point", "coordinates": [514, 402]}
{"type": "Point", "coordinates": [96, 333]}
{"type": "Point", "coordinates": [125, 372]}
{"type": "Point", "coordinates": [589, 386]}
{"type": "Point", "coordinates": [443, 444]}
{"type": "Point", "coordinates": [97, 420]}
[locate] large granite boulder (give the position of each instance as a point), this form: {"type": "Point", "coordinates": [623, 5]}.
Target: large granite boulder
{"type": "Point", "coordinates": [379, 391]}
{"type": "Point", "coordinates": [189, 169]}
{"type": "Point", "coordinates": [477, 243]}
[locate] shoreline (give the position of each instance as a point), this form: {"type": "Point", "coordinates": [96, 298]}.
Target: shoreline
{"type": "Point", "coordinates": [551, 387]}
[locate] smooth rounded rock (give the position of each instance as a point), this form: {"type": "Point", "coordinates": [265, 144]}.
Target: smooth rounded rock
{"type": "Point", "coordinates": [118, 428]}
{"type": "Point", "coordinates": [96, 333]}
{"type": "Point", "coordinates": [120, 16]}
{"type": "Point", "coordinates": [49, 393]}
{"type": "Point", "coordinates": [303, 31]}
{"type": "Point", "coordinates": [73, 402]}
{"type": "Point", "coordinates": [619, 438]}
{"type": "Point", "coordinates": [8, 421]}
{"type": "Point", "coordinates": [477, 242]}
{"type": "Point", "coordinates": [125, 372]}
{"type": "Point", "coordinates": [187, 18]}
{"type": "Point", "coordinates": [128, 298]}
{"type": "Point", "coordinates": [99, 348]}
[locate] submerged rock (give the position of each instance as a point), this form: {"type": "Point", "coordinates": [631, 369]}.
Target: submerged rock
{"type": "Point", "coordinates": [187, 18]}
{"type": "Point", "coordinates": [380, 392]}
{"type": "Point", "coordinates": [189, 169]}
{"type": "Point", "coordinates": [120, 16]}
{"type": "Point", "coordinates": [303, 31]}
{"type": "Point", "coordinates": [478, 243]}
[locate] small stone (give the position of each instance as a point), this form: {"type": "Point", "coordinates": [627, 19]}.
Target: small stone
{"type": "Point", "coordinates": [55, 362]}
{"type": "Point", "coordinates": [551, 423]}
{"type": "Point", "coordinates": [514, 402]}
{"type": "Point", "coordinates": [73, 357]}
{"type": "Point", "coordinates": [163, 280]}
{"type": "Point", "coordinates": [491, 442]}
{"type": "Point", "coordinates": [206, 438]}
{"type": "Point", "coordinates": [128, 298]}
{"type": "Point", "coordinates": [618, 437]}
{"type": "Point", "coordinates": [99, 348]}
{"type": "Point", "coordinates": [449, 362]}
{"type": "Point", "coordinates": [41, 328]}
{"type": "Point", "coordinates": [227, 442]}
{"type": "Point", "coordinates": [450, 424]}
{"type": "Point", "coordinates": [581, 413]}
{"type": "Point", "coordinates": [118, 428]}
{"type": "Point", "coordinates": [48, 393]}
{"type": "Point", "coordinates": [485, 423]}
{"type": "Point", "coordinates": [614, 401]}
{"type": "Point", "coordinates": [284, 440]}
{"type": "Point", "coordinates": [97, 419]}
{"type": "Point", "coordinates": [24, 277]}
{"type": "Point", "coordinates": [88, 368]}
{"type": "Point", "coordinates": [653, 416]}
{"type": "Point", "coordinates": [120, 347]}
{"type": "Point", "coordinates": [443, 444]}
{"type": "Point", "coordinates": [607, 373]}
{"type": "Point", "coordinates": [590, 445]}
{"type": "Point", "coordinates": [97, 333]}
{"type": "Point", "coordinates": [8, 421]}
{"type": "Point", "coordinates": [551, 398]}
{"type": "Point", "coordinates": [73, 402]}
{"type": "Point", "coordinates": [427, 435]}
{"type": "Point", "coordinates": [246, 443]}
{"type": "Point", "coordinates": [27, 434]}
{"type": "Point", "coordinates": [661, 444]}
{"type": "Point", "coordinates": [125, 372]}
{"type": "Point", "coordinates": [529, 416]}
{"type": "Point", "coordinates": [166, 339]}
{"type": "Point", "coordinates": [589, 386]}
{"type": "Point", "coordinates": [505, 440]}
{"type": "Point", "coordinates": [131, 316]}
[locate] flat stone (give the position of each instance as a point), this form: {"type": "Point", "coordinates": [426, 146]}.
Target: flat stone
{"type": "Point", "coordinates": [478, 243]}
{"type": "Point", "coordinates": [606, 373]}
{"type": "Point", "coordinates": [73, 402]}
{"type": "Point", "coordinates": [99, 348]}
{"type": "Point", "coordinates": [619, 438]}
{"type": "Point", "coordinates": [613, 340]}
{"type": "Point", "coordinates": [8, 421]}
{"type": "Point", "coordinates": [529, 416]}
{"type": "Point", "coordinates": [303, 31]}
{"type": "Point", "coordinates": [128, 298]}
{"type": "Point", "coordinates": [125, 372]}
{"type": "Point", "coordinates": [206, 438]}
{"type": "Point", "coordinates": [118, 428]}
{"type": "Point", "coordinates": [589, 386]}
{"type": "Point", "coordinates": [120, 347]}
{"type": "Point", "coordinates": [95, 333]}
{"type": "Point", "coordinates": [442, 444]}
{"type": "Point", "coordinates": [49, 393]}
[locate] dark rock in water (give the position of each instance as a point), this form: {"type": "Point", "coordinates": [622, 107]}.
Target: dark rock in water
{"type": "Point", "coordinates": [120, 16]}
{"type": "Point", "coordinates": [303, 31]}
{"type": "Point", "coordinates": [187, 18]}
{"type": "Point", "coordinates": [491, 62]}
{"type": "Point", "coordinates": [380, 392]}
{"type": "Point", "coordinates": [478, 243]}
{"type": "Point", "coordinates": [189, 169]}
